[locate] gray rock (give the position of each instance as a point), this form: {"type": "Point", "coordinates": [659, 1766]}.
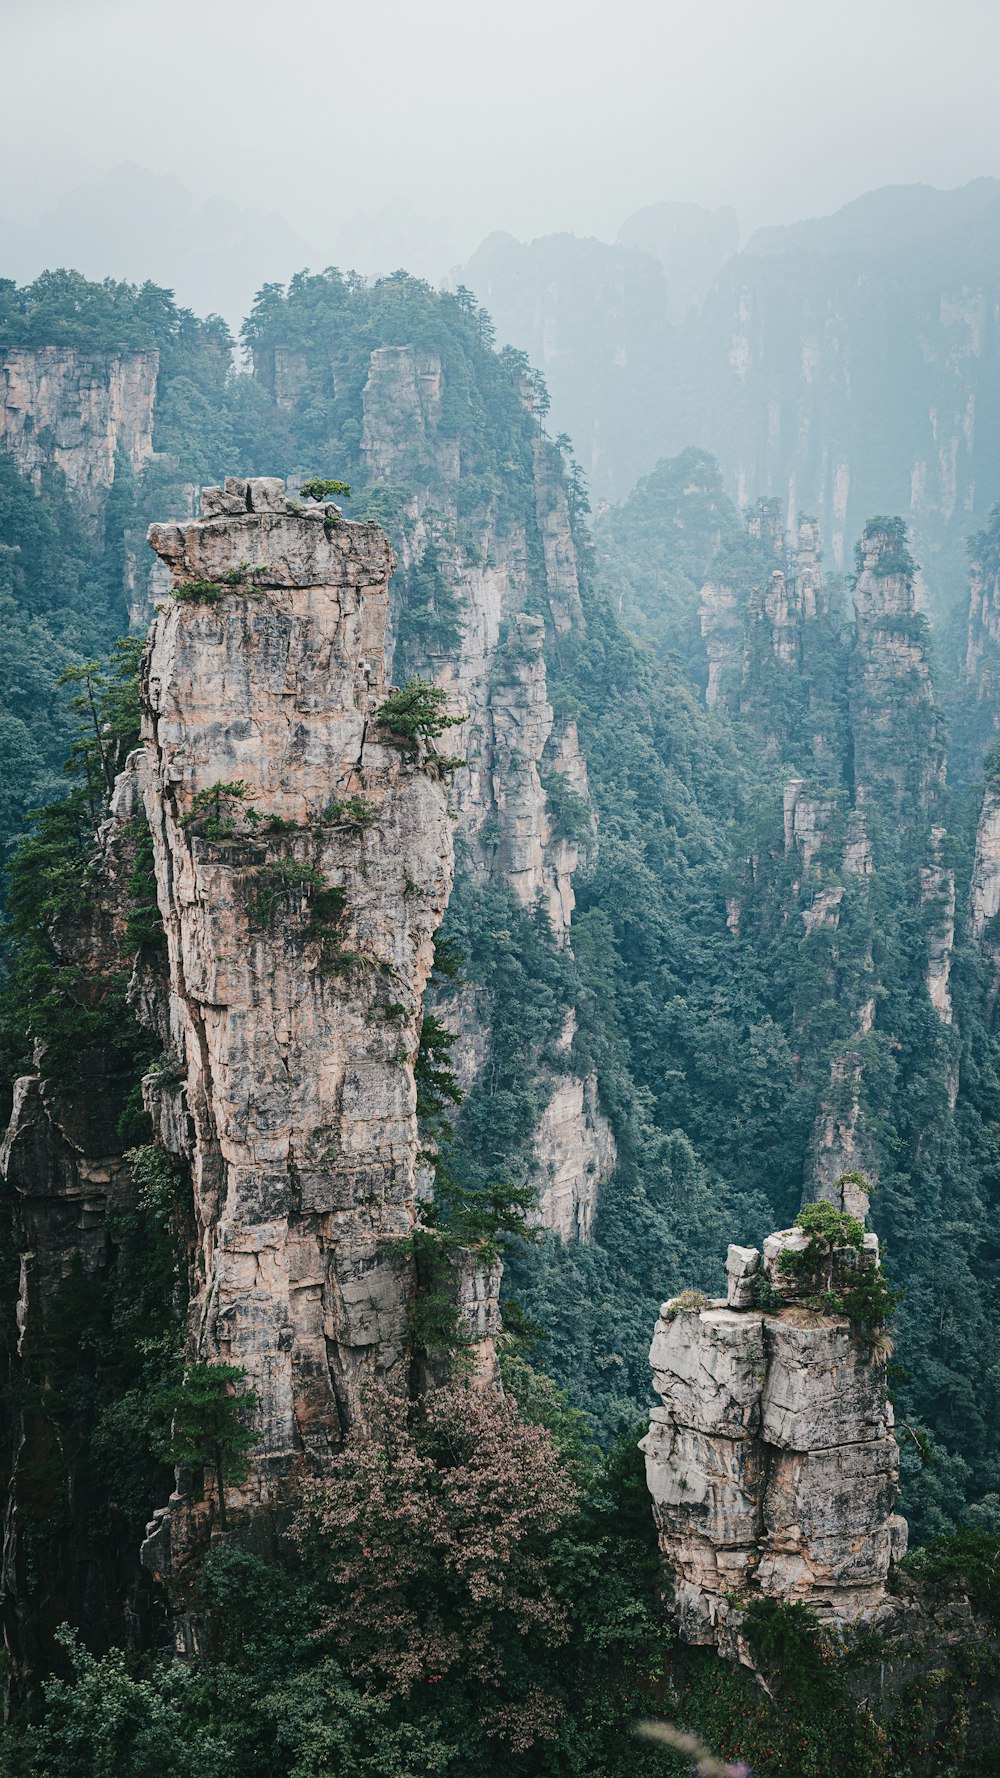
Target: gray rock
{"type": "Point", "coordinates": [742, 1269]}
{"type": "Point", "coordinates": [771, 1464]}
{"type": "Point", "coordinates": [266, 493]}
{"type": "Point", "coordinates": [216, 504]}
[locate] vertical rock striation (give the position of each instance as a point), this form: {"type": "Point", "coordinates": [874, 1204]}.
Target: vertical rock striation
{"type": "Point", "coordinates": [303, 862]}
{"type": "Point", "coordinates": [79, 411]}
{"type": "Point", "coordinates": [503, 568]}
{"type": "Point", "coordinates": [899, 756]}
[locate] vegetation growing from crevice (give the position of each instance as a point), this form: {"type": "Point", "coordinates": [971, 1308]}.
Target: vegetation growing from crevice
{"type": "Point", "coordinates": [417, 711]}
{"type": "Point", "coordinates": [710, 1016]}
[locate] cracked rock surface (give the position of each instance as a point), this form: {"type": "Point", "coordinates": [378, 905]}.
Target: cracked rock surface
{"type": "Point", "coordinates": [299, 941]}
{"type": "Point", "coordinates": [771, 1464]}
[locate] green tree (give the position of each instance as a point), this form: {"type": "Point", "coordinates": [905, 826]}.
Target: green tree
{"type": "Point", "coordinates": [210, 1425]}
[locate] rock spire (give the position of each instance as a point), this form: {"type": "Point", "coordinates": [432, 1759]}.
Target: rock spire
{"type": "Point", "coordinates": [771, 1464]}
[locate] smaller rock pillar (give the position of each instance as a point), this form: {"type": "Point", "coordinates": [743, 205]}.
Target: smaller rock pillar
{"type": "Point", "coordinates": [771, 1463]}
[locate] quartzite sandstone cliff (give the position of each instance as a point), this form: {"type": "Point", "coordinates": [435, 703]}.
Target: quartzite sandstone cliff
{"type": "Point", "coordinates": [298, 949]}
{"type": "Point", "coordinates": [503, 572]}
{"type": "Point", "coordinates": [303, 860]}
{"type": "Point", "coordinates": [77, 411]}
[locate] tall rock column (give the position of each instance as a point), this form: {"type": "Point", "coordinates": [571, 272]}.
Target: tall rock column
{"type": "Point", "coordinates": [984, 895]}
{"type": "Point", "coordinates": [899, 750]}
{"type": "Point", "coordinates": [303, 863]}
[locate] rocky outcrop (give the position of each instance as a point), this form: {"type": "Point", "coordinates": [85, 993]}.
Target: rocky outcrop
{"type": "Point", "coordinates": [898, 746]}
{"type": "Point", "coordinates": [402, 413]}
{"type": "Point", "coordinates": [937, 895]}
{"type": "Point", "coordinates": [303, 861]}
{"type": "Point", "coordinates": [575, 1152]}
{"type": "Point", "coordinates": [985, 894]}
{"type": "Point", "coordinates": [771, 1464]}
{"type": "Point", "coordinates": [721, 624]}
{"type": "Point", "coordinates": [533, 856]}
{"type": "Point", "coordinates": [77, 410]}
{"type": "Point", "coordinates": [758, 610]}
{"type": "Point", "coordinates": [807, 819]}
{"type": "Point", "coordinates": [521, 791]}
{"type": "Point", "coordinates": [495, 673]}
{"type": "Point", "coordinates": [283, 372]}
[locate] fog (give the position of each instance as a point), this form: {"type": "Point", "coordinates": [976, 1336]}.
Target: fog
{"type": "Point", "coordinates": [454, 121]}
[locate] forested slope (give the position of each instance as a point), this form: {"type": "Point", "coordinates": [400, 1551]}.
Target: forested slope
{"type": "Point", "coordinates": [710, 905]}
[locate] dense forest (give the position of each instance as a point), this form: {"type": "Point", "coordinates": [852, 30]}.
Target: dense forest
{"type": "Point", "coordinates": [754, 1003]}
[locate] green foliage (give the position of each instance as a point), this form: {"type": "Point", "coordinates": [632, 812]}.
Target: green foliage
{"type": "Point", "coordinates": [216, 810]}
{"type": "Point", "coordinates": [786, 1640]}
{"type": "Point", "coordinates": [280, 884]}
{"type": "Point", "coordinates": [687, 1300]}
{"type": "Point", "coordinates": [828, 1229]}
{"type": "Point", "coordinates": [78, 1015]}
{"type": "Point", "coordinates": [437, 1089]}
{"type": "Point", "coordinates": [569, 812]}
{"type": "Point", "coordinates": [198, 592]}
{"type": "Point", "coordinates": [351, 811]}
{"type": "Point", "coordinates": [430, 617]}
{"type": "Point", "coordinates": [840, 1285]}
{"type": "Point", "coordinates": [765, 1297]}
{"type": "Point", "coordinates": [210, 1425]}
{"type": "Point", "coordinates": [889, 537]}
{"type": "Point", "coordinates": [967, 1561]}
{"type": "Point", "coordinates": [417, 709]}
{"type": "Point", "coordinates": [658, 546]}
{"type": "Point", "coordinates": [321, 490]}
{"type": "Point", "coordinates": [144, 926]}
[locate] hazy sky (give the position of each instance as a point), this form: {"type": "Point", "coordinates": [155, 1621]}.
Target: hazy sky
{"type": "Point", "coordinates": [532, 115]}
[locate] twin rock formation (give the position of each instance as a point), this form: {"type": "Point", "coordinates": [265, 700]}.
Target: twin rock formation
{"type": "Point", "coordinates": [771, 1464]}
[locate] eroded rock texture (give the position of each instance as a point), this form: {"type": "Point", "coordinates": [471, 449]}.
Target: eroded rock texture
{"type": "Point", "coordinates": [77, 410]}
{"type": "Point", "coordinates": [771, 1464]}
{"type": "Point", "coordinates": [299, 909]}
{"type": "Point", "coordinates": [521, 793]}
{"type": "Point", "coordinates": [899, 748]}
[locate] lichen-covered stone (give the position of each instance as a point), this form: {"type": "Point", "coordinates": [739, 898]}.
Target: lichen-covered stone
{"type": "Point", "coordinates": [708, 1364]}
{"type": "Point", "coordinates": [742, 1272]}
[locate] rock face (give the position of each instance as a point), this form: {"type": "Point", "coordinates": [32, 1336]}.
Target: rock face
{"type": "Point", "coordinates": [984, 897]}
{"type": "Point", "coordinates": [521, 793]}
{"type": "Point", "coordinates": [771, 1464]}
{"type": "Point", "coordinates": [77, 410]}
{"type": "Point", "coordinates": [807, 819]}
{"type": "Point", "coordinates": [722, 632]}
{"type": "Point", "coordinates": [756, 617]}
{"type": "Point", "coordinates": [299, 908]}
{"type": "Point", "coordinates": [575, 1153]}
{"type": "Point", "coordinates": [937, 892]}
{"type": "Point", "coordinates": [899, 751]}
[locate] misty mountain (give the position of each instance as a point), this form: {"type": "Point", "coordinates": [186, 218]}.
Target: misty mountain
{"type": "Point", "coordinates": [842, 365]}
{"type": "Point", "coordinates": [140, 225]}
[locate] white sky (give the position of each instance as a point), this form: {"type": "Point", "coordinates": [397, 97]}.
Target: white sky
{"type": "Point", "coordinates": [531, 116]}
